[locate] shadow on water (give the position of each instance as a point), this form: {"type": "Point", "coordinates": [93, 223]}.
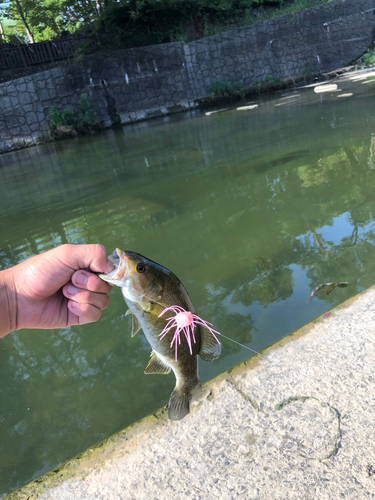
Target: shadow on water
{"type": "Point", "coordinates": [252, 211]}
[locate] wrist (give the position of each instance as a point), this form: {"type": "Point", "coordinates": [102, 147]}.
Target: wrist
{"type": "Point", "coordinates": [8, 303]}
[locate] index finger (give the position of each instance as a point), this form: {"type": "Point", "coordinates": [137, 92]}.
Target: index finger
{"type": "Point", "coordinates": [93, 257]}
{"type": "Point", "coordinates": [89, 281]}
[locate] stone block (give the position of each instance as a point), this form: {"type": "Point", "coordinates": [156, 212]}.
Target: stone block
{"type": "Point", "coordinates": [15, 101]}
{"type": "Point", "coordinates": [30, 86]}
{"type": "Point", "coordinates": [44, 125]}
{"type": "Point", "coordinates": [34, 127]}
{"type": "Point", "coordinates": [47, 104]}
{"type": "Point", "coordinates": [59, 81]}
{"type": "Point", "coordinates": [53, 93]}
{"type": "Point", "coordinates": [28, 107]}
{"type": "Point", "coordinates": [57, 72]}
{"type": "Point", "coordinates": [40, 84]}
{"type": "Point", "coordinates": [151, 102]}
{"type": "Point", "coordinates": [43, 95]}
{"type": "Point", "coordinates": [31, 118]}
{"type": "Point", "coordinates": [38, 106]}
{"type": "Point", "coordinates": [161, 100]}
{"type": "Point", "coordinates": [150, 93]}
{"type": "Point", "coordinates": [21, 87]}
{"type": "Point", "coordinates": [5, 103]}
{"type": "Point", "coordinates": [25, 130]}
{"type": "Point", "coordinates": [21, 120]}
{"type": "Point", "coordinates": [15, 131]}
{"type": "Point", "coordinates": [50, 83]}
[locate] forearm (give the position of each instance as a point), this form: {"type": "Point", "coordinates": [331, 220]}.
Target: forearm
{"type": "Point", "coordinates": [8, 303]}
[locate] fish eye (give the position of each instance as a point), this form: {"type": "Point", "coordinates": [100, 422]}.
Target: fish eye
{"type": "Point", "coordinates": [141, 268]}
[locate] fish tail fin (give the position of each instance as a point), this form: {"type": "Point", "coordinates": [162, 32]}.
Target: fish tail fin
{"type": "Point", "coordinates": [179, 402]}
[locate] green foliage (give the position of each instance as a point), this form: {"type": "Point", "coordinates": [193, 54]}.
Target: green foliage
{"type": "Point", "coordinates": [145, 22]}
{"type": "Point", "coordinates": [31, 20]}
{"type": "Point", "coordinates": [87, 48]}
{"type": "Point", "coordinates": [131, 23]}
{"type": "Point", "coordinates": [81, 119]}
{"type": "Point", "coordinates": [45, 19]}
{"type": "Point", "coordinates": [86, 116]}
{"type": "Point", "coordinates": [369, 58]}
{"type": "Point", "coordinates": [289, 6]}
{"type": "Point", "coordinates": [61, 118]}
{"type": "Point", "coordinates": [218, 87]}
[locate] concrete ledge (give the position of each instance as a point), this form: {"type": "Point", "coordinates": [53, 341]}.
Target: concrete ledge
{"type": "Point", "coordinates": [295, 424]}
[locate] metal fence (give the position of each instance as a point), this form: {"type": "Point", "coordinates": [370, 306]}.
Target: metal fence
{"type": "Point", "coordinates": [44, 52]}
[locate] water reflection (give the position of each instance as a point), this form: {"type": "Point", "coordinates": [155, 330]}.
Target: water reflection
{"type": "Point", "coordinates": [251, 210]}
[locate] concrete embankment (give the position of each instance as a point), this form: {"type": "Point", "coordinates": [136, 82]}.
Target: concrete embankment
{"type": "Point", "coordinates": [297, 423]}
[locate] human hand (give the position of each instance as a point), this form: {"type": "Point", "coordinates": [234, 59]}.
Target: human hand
{"type": "Point", "coordinates": [55, 289]}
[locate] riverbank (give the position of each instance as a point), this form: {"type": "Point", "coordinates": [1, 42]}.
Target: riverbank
{"type": "Point", "coordinates": [295, 423]}
{"type": "Point", "coordinates": [141, 83]}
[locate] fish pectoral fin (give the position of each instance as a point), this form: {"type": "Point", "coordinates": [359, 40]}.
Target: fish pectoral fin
{"type": "Point", "coordinates": [210, 348]}
{"type": "Point", "coordinates": [157, 366]}
{"type": "Point", "coordinates": [135, 326]}
{"type": "Point", "coordinates": [135, 323]}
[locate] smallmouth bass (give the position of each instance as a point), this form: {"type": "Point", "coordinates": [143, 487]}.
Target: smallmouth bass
{"type": "Point", "coordinates": [148, 289]}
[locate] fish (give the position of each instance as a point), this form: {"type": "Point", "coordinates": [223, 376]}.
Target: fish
{"type": "Point", "coordinates": [149, 289]}
{"type": "Point", "coordinates": [331, 286]}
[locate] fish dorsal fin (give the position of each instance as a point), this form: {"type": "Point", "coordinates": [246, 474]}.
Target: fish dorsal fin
{"type": "Point", "coordinates": [210, 349]}
{"type": "Point", "coordinates": [155, 365]}
{"type": "Point", "coordinates": [135, 326]}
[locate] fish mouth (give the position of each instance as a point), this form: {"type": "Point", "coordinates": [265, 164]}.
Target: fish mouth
{"type": "Point", "coordinates": [119, 260]}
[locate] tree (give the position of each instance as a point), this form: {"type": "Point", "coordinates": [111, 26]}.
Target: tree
{"type": "Point", "coordinates": [39, 20]}
{"type": "Point", "coordinates": [2, 35]}
{"type": "Point", "coordinates": [19, 10]}
{"type": "Point", "coordinates": [75, 13]}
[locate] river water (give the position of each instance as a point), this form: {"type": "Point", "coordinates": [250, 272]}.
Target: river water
{"type": "Point", "coordinates": [251, 209]}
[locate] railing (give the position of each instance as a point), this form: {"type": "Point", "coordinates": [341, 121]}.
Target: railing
{"type": "Point", "coordinates": [43, 52]}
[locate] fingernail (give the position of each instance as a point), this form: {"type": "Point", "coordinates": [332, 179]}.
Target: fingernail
{"type": "Point", "coordinates": [72, 290]}
{"type": "Point", "coordinates": [81, 279]}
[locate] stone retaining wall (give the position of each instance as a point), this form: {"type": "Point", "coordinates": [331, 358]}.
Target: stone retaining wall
{"type": "Point", "coordinates": [144, 82]}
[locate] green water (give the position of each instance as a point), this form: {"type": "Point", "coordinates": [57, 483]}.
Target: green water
{"type": "Point", "coordinates": [251, 209]}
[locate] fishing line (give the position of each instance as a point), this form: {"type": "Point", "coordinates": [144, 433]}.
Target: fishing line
{"type": "Point", "coordinates": [244, 346]}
